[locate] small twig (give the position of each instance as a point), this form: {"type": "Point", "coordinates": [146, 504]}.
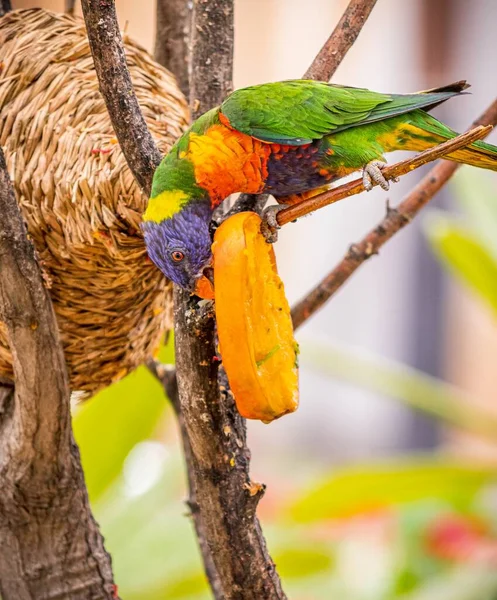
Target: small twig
{"type": "Point", "coordinates": [394, 220]}
{"type": "Point", "coordinates": [343, 37]}
{"type": "Point", "coordinates": [5, 7]}
{"type": "Point", "coordinates": [139, 149]}
{"type": "Point", "coordinates": [70, 5]}
{"type": "Point", "coordinates": [323, 68]}
{"type": "Point", "coordinates": [166, 374]}
{"type": "Point", "coordinates": [403, 167]}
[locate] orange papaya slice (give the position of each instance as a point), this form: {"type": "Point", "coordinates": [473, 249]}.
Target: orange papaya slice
{"type": "Point", "coordinates": [254, 324]}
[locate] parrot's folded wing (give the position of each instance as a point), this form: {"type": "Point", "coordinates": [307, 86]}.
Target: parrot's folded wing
{"type": "Point", "coordinates": [297, 112]}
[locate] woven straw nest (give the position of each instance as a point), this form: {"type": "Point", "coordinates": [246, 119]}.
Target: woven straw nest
{"type": "Point", "coordinates": [78, 197]}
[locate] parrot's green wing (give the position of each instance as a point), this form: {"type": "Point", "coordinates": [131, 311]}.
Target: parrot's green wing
{"type": "Point", "coordinates": [297, 112]}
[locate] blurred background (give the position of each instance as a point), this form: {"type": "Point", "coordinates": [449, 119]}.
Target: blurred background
{"type": "Point", "coordinates": [381, 485]}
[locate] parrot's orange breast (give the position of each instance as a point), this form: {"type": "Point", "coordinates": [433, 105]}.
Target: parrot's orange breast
{"type": "Point", "coordinates": [227, 161]}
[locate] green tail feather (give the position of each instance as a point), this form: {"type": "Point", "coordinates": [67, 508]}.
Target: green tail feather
{"type": "Point", "coordinates": [432, 132]}
{"type": "Point", "coordinates": [479, 154]}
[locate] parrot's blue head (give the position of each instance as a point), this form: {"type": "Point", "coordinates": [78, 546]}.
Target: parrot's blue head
{"type": "Point", "coordinates": [180, 246]}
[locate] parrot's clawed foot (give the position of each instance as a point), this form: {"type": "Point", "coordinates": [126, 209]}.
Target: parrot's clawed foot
{"type": "Point", "coordinates": [372, 174]}
{"type": "Point", "coordinates": [270, 225]}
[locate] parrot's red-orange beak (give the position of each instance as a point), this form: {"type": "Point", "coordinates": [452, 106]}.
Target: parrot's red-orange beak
{"type": "Point", "coordinates": [204, 287]}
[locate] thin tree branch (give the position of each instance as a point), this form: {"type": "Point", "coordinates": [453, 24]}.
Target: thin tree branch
{"type": "Point", "coordinates": [340, 41]}
{"type": "Point", "coordinates": [403, 167]}
{"type": "Point", "coordinates": [166, 374]}
{"type": "Point", "coordinates": [323, 68]}
{"type": "Point", "coordinates": [139, 149]}
{"type": "Point", "coordinates": [394, 220]}
{"type": "Point", "coordinates": [172, 38]}
{"type": "Point", "coordinates": [45, 521]}
{"type": "Point", "coordinates": [27, 312]}
{"type": "Point", "coordinates": [5, 7]}
{"type": "Point", "coordinates": [223, 499]}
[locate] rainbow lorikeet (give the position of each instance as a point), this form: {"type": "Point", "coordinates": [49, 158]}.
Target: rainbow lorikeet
{"type": "Point", "coordinates": [289, 139]}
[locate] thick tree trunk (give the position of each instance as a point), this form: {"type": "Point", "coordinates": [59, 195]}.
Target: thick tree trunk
{"type": "Point", "coordinates": [50, 543]}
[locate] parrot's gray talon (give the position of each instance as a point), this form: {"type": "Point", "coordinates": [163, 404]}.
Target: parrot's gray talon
{"type": "Point", "coordinates": [270, 225]}
{"type": "Point", "coordinates": [372, 174]}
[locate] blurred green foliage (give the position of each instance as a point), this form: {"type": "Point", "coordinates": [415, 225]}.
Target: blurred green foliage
{"type": "Point", "coordinates": [362, 489]}
{"type": "Point", "coordinates": [150, 535]}
{"type": "Point", "coordinates": [109, 425]}
{"type": "Point", "coordinates": [467, 243]}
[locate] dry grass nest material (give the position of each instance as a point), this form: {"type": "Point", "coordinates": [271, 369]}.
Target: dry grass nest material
{"type": "Point", "coordinates": [81, 204]}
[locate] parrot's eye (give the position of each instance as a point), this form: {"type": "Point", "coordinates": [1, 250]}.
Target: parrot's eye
{"type": "Point", "coordinates": [177, 255]}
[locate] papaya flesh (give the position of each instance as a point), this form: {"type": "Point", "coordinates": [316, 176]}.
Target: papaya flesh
{"type": "Point", "coordinates": [254, 324]}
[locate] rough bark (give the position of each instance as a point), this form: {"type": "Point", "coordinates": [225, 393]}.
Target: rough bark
{"type": "Point", "coordinates": [211, 54]}
{"type": "Point", "coordinates": [223, 499]}
{"type": "Point", "coordinates": [107, 49]}
{"type": "Point", "coordinates": [395, 220]}
{"type": "Point", "coordinates": [51, 546]}
{"type": "Point", "coordinates": [172, 38]}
